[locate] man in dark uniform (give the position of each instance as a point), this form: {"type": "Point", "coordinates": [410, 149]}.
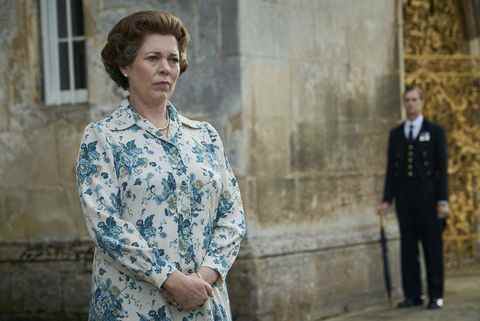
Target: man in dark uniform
{"type": "Point", "coordinates": [416, 179]}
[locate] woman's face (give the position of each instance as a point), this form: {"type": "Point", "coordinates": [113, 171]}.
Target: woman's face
{"type": "Point", "coordinates": [154, 72]}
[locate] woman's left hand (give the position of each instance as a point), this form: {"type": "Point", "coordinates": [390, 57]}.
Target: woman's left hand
{"type": "Point", "coordinates": [208, 275]}
{"type": "Point", "coordinates": [187, 292]}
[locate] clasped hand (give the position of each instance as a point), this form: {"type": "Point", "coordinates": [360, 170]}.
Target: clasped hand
{"type": "Point", "coordinates": [187, 292]}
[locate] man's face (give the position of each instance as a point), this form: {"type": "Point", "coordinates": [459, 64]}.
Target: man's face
{"type": "Point", "coordinates": [413, 104]}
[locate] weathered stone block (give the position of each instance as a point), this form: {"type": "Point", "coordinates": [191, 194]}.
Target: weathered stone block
{"type": "Point", "coordinates": [366, 33]}
{"type": "Point", "coordinates": [316, 198]}
{"type": "Point", "coordinates": [6, 301]}
{"type": "Point", "coordinates": [315, 91]}
{"type": "Point", "coordinates": [4, 116]}
{"type": "Point", "coordinates": [217, 98]}
{"type": "Point", "coordinates": [387, 105]}
{"type": "Point", "coordinates": [45, 295]}
{"type": "Point", "coordinates": [276, 203]}
{"type": "Point", "coordinates": [11, 144]}
{"type": "Point", "coordinates": [270, 116]}
{"type": "Point", "coordinates": [13, 214]}
{"type": "Point", "coordinates": [271, 19]}
{"type": "Point", "coordinates": [241, 282]}
{"type": "Point", "coordinates": [301, 20]}
{"type": "Point", "coordinates": [75, 290]}
{"type": "Point", "coordinates": [309, 147]}
{"type": "Point", "coordinates": [208, 40]}
{"type": "Point", "coordinates": [18, 300]}
{"type": "Point", "coordinates": [45, 281]}
{"type": "Point", "coordinates": [21, 149]}
{"type": "Point", "coordinates": [49, 217]}
{"type": "Point", "coordinates": [230, 36]}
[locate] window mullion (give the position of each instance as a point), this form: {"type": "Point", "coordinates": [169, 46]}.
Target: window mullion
{"type": "Point", "coordinates": [70, 50]}
{"type": "Point", "coordinates": [50, 52]}
{"type": "Point", "coordinates": [55, 71]}
{"type": "Point", "coordinates": [47, 63]}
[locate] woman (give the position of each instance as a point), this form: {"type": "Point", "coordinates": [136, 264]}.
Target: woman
{"type": "Point", "coordinates": [159, 197]}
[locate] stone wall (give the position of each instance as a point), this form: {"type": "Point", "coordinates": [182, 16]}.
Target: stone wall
{"type": "Point", "coordinates": [320, 90]}
{"type": "Point", "coordinates": [303, 93]}
{"type": "Point", "coordinates": [39, 207]}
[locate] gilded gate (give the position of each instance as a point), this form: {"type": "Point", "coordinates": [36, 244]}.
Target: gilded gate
{"type": "Point", "coordinates": [438, 59]}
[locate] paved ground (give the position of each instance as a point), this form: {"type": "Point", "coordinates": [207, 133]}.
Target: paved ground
{"type": "Point", "coordinates": [462, 303]}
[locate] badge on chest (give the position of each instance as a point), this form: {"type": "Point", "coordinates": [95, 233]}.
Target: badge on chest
{"type": "Point", "coordinates": [424, 137]}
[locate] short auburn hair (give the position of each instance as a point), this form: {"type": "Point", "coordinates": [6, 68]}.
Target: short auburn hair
{"type": "Point", "coordinates": [127, 36]}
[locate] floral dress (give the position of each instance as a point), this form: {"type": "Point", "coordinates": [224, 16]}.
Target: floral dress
{"type": "Point", "coordinates": [154, 205]}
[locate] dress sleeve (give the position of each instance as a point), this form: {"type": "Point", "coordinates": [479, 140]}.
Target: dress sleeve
{"type": "Point", "coordinates": [229, 227]}
{"type": "Point", "coordinates": [101, 203]}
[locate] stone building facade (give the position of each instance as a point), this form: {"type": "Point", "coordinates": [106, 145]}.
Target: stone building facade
{"type": "Point", "coordinates": [303, 93]}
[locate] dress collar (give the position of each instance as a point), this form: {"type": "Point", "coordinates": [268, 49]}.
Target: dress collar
{"type": "Point", "coordinates": [126, 116]}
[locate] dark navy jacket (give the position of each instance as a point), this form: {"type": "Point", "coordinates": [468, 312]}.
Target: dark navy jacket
{"type": "Point", "coordinates": [430, 160]}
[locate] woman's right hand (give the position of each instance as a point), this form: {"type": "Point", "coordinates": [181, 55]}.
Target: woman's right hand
{"type": "Point", "coordinates": [188, 291]}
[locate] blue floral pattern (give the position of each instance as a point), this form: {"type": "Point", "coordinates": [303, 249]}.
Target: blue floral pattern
{"type": "Point", "coordinates": [154, 205]}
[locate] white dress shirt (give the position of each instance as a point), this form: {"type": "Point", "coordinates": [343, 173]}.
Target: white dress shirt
{"type": "Point", "coordinates": [417, 125]}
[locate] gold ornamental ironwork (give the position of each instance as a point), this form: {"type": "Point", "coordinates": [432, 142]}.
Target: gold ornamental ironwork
{"type": "Point", "coordinates": [437, 59]}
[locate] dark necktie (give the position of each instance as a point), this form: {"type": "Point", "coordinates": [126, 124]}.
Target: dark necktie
{"type": "Point", "coordinates": [410, 134]}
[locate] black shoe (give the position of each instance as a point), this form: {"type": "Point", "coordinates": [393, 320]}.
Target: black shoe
{"type": "Point", "coordinates": [408, 303]}
{"type": "Point", "coordinates": [435, 304]}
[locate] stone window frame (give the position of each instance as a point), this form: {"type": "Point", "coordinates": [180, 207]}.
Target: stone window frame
{"type": "Point", "coordinates": [56, 80]}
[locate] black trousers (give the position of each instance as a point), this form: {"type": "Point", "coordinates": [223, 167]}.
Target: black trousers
{"type": "Point", "coordinates": [416, 208]}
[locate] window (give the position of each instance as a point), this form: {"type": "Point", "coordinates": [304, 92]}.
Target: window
{"type": "Point", "coordinates": [64, 59]}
